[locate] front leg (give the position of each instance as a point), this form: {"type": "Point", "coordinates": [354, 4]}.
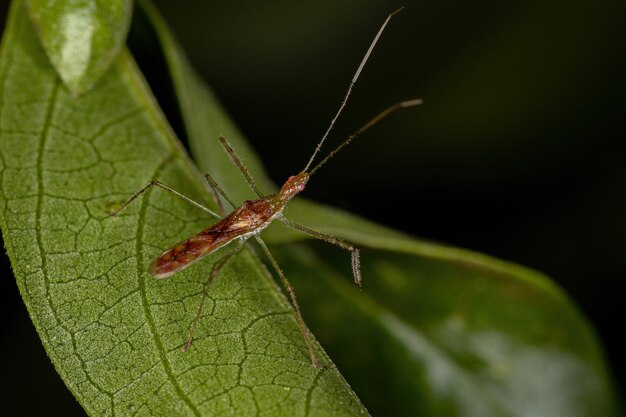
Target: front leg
{"type": "Point", "coordinates": [344, 244]}
{"type": "Point", "coordinates": [217, 192]}
{"type": "Point", "coordinates": [244, 171]}
{"type": "Point", "coordinates": [167, 188]}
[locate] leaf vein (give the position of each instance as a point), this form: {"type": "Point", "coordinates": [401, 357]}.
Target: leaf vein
{"type": "Point", "coordinates": [167, 367]}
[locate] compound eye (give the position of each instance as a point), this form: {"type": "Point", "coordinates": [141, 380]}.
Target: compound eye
{"type": "Point", "coordinates": [290, 178]}
{"type": "Point", "coordinates": [300, 187]}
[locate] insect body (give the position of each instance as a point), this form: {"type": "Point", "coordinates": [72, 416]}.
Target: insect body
{"type": "Point", "coordinates": [249, 219]}
{"type": "Point", "coordinates": [253, 216]}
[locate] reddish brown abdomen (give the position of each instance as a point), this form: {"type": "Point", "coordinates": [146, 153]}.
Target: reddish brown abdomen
{"type": "Point", "coordinates": [249, 217]}
{"type": "Point", "coordinates": [185, 253]}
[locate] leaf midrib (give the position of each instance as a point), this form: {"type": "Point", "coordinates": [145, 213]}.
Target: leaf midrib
{"type": "Point", "coordinates": [141, 274]}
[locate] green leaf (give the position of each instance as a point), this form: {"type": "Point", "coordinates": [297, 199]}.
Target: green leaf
{"type": "Point", "coordinates": [113, 332]}
{"type": "Point", "coordinates": [82, 38]}
{"type": "Point", "coordinates": [437, 330]}
{"type": "Point", "coordinates": [450, 339]}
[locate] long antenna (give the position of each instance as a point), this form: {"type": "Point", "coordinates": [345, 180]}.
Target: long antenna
{"type": "Point", "coordinates": [378, 118]}
{"type": "Point", "coordinates": [354, 78]}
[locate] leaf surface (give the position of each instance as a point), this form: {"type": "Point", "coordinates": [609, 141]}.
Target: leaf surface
{"type": "Point", "coordinates": [113, 332]}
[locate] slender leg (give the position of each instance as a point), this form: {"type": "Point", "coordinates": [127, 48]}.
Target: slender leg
{"type": "Point", "coordinates": [216, 197]}
{"type": "Point", "coordinates": [156, 183]}
{"type": "Point", "coordinates": [216, 269]}
{"type": "Point", "coordinates": [233, 157]}
{"type": "Point", "coordinates": [217, 192]}
{"type": "Point", "coordinates": [294, 302]}
{"type": "Point", "coordinates": [354, 251]}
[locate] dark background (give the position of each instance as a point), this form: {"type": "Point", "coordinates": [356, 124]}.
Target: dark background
{"type": "Point", "coordinates": [518, 152]}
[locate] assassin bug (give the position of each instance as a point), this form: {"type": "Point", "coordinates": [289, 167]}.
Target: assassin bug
{"type": "Point", "coordinates": [250, 218]}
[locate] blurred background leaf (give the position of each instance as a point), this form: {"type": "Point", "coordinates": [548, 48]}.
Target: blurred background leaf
{"type": "Point", "coordinates": [81, 37]}
{"type": "Point", "coordinates": [518, 151]}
